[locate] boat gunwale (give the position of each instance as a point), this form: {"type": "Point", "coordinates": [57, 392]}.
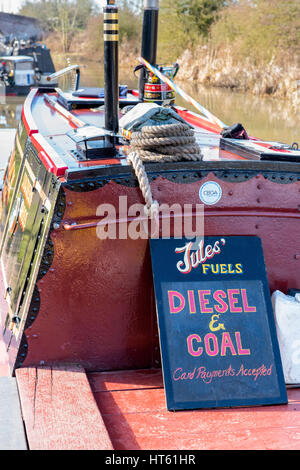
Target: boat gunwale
{"type": "Point", "coordinates": [244, 169]}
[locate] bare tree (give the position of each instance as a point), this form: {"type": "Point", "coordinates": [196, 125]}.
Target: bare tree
{"type": "Point", "coordinates": [65, 17]}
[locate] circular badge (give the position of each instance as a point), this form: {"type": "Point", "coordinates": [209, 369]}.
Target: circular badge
{"type": "Point", "coordinates": [210, 193]}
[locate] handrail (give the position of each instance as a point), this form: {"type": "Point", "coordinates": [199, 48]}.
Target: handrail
{"type": "Point", "coordinates": [102, 221]}
{"type": "Point", "coordinates": [65, 71]}
{"type": "Point", "coordinates": [269, 213]}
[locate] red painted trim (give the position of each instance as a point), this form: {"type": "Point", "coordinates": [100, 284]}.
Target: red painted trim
{"type": "Point", "coordinates": [47, 154]}
{"type": "Point", "coordinates": [27, 118]}
{"type": "Point", "coordinates": [270, 147]}
{"type": "Point", "coordinates": [50, 158]}
{"type": "Point", "coordinates": [197, 120]}
{"type": "Point", "coordinates": [75, 122]}
{"type": "Point", "coordinates": [108, 161]}
{"type": "Point", "coordinates": [46, 161]}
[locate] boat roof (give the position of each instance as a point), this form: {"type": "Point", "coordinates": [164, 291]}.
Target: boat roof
{"type": "Point", "coordinates": [18, 58]}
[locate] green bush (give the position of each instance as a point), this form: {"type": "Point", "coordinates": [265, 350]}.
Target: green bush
{"type": "Point", "coordinates": [260, 30]}
{"type": "Point", "coordinates": [185, 23]}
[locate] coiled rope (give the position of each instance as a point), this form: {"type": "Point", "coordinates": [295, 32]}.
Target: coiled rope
{"type": "Point", "coordinates": [163, 143]}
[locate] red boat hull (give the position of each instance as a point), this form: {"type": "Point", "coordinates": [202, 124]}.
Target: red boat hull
{"type": "Point", "coordinates": [116, 311]}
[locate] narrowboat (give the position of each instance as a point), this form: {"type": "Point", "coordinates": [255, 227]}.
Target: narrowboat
{"type": "Point", "coordinates": [17, 75]}
{"type": "Point", "coordinates": [81, 347]}
{"type": "Point", "coordinates": [24, 68]}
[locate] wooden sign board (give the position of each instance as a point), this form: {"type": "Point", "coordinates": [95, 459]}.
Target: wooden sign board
{"type": "Point", "coordinates": [217, 333]}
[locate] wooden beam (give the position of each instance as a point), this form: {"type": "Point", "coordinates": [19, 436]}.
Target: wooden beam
{"type": "Point", "coordinates": [59, 409]}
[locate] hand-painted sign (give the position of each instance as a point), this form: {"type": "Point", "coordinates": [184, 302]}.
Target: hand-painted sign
{"type": "Point", "coordinates": [217, 333]}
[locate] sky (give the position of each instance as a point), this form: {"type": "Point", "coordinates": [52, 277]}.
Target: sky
{"type": "Point", "coordinates": [12, 6]}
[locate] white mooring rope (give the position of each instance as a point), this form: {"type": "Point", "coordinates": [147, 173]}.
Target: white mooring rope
{"type": "Point", "coordinates": [165, 143]}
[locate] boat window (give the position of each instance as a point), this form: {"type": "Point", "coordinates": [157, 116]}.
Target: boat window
{"type": "Point", "coordinates": [24, 66]}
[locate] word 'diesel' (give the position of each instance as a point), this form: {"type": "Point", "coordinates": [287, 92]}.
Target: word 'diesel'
{"type": "Point", "coordinates": [206, 301]}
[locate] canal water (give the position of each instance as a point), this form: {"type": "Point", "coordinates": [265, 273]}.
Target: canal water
{"type": "Point", "coordinates": [263, 117]}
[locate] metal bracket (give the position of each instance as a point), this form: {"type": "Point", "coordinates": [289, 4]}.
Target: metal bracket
{"type": "Point", "coordinates": [94, 142]}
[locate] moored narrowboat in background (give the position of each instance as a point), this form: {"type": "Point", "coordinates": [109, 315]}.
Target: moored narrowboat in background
{"type": "Point", "coordinates": [21, 68]}
{"type": "Point", "coordinates": [78, 312]}
{"type": "Point", "coordinates": [17, 75]}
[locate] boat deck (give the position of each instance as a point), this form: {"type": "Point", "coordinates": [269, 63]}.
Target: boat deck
{"type": "Point", "coordinates": [49, 124]}
{"type": "Point", "coordinates": [65, 408]}
{"type": "Point", "coordinates": [132, 404]}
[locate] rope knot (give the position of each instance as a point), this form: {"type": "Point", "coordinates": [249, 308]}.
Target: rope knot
{"type": "Point", "coordinates": [165, 143]}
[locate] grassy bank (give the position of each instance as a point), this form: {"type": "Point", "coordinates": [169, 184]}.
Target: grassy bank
{"type": "Point", "coordinates": [207, 67]}
{"type": "Point", "coordinates": [221, 69]}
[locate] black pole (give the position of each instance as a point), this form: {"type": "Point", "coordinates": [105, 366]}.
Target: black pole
{"type": "Point", "coordinates": [149, 38]}
{"type": "Point", "coordinates": [77, 79]}
{"type": "Point", "coordinates": [111, 56]}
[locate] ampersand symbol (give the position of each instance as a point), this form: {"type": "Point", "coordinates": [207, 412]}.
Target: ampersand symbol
{"type": "Point", "coordinates": [215, 319]}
